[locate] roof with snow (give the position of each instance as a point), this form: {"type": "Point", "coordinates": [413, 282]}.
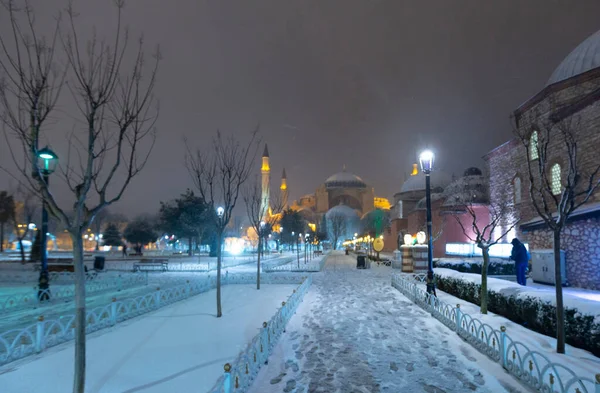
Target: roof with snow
{"type": "Point", "coordinates": [439, 179]}
{"type": "Point", "coordinates": [345, 180]}
{"type": "Point", "coordinates": [585, 57]}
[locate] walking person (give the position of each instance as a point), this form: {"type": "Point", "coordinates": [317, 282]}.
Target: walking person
{"type": "Point", "coordinates": [124, 251]}
{"type": "Point", "coordinates": [520, 255]}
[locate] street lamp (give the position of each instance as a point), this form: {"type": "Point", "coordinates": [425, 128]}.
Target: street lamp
{"type": "Point", "coordinates": [220, 211]}
{"type": "Point", "coordinates": [46, 163]}
{"type": "Point", "coordinates": [426, 160]}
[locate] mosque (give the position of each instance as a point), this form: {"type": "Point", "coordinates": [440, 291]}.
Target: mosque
{"type": "Point", "coordinates": [342, 193]}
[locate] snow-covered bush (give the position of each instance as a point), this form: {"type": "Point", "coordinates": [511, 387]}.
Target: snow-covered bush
{"type": "Point", "coordinates": [497, 267]}
{"type": "Point", "coordinates": [535, 313]}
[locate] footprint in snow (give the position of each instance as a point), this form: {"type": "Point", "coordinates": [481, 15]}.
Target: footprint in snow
{"type": "Point", "coordinates": [277, 379]}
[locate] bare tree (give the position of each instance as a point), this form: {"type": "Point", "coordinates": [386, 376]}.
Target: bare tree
{"type": "Point", "coordinates": [219, 172]}
{"type": "Point", "coordinates": [559, 135]}
{"type": "Point", "coordinates": [23, 215]}
{"type": "Point", "coordinates": [106, 149]}
{"type": "Point", "coordinates": [101, 218]}
{"type": "Point", "coordinates": [262, 217]}
{"type": "Point", "coordinates": [336, 227]}
{"type": "Point", "coordinates": [484, 220]}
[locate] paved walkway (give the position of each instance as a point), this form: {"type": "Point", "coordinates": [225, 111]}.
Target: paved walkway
{"type": "Point", "coordinates": [354, 333]}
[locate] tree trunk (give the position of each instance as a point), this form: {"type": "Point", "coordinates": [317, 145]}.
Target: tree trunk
{"type": "Point", "coordinates": [219, 240]}
{"type": "Point", "coordinates": [484, 287]}
{"type": "Point", "coordinates": [80, 319]}
{"type": "Point", "coordinates": [22, 251]}
{"type": "Point", "coordinates": [258, 265]}
{"type": "Point", "coordinates": [560, 312]}
{"type": "Point", "coordinates": [190, 253]}
{"type": "Point", "coordinates": [1, 237]}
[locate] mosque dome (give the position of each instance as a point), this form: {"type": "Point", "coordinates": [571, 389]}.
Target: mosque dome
{"type": "Point", "coordinates": [585, 57]}
{"type": "Point", "coordinates": [342, 209]}
{"type": "Point", "coordinates": [417, 182]}
{"type": "Point", "coordinates": [344, 180]}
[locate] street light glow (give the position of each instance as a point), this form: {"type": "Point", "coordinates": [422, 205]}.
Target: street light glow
{"type": "Point", "coordinates": [426, 159]}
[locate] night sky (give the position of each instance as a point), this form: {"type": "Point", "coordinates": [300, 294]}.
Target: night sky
{"type": "Point", "coordinates": [362, 83]}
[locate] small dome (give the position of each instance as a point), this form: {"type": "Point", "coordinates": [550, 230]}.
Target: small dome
{"type": "Point", "coordinates": [343, 210]}
{"type": "Point", "coordinates": [345, 180]}
{"type": "Point", "coordinates": [473, 171]}
{"type": "Point", "coordinates": [417, 182]}
{"type": "Point", "coordinates": [585, 57]}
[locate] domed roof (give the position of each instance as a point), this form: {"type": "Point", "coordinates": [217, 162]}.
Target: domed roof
{"type": "Point", "coordinates": [417, 182]}
{"type": "Point", "coordinates": [344, 180]}
{"type": "Point", "coordinates": [342, 209]}
{"type": "Point", "coordinates": [585, 57]}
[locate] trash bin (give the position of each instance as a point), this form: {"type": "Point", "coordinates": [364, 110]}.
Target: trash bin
{"type": "Point", "coordinates": [346, 251]}
{"type": "Point", "coordinates": [99, 262]}
{"type": "Point", "coordinates": [361, 262]}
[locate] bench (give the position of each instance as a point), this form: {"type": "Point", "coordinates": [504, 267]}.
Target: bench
{"type": "Point", "coordinates": [135, 254]}
{"type": "Point", "coordinates": [151, 264]}
{"type": "Point", "coordinates": [317, 252]}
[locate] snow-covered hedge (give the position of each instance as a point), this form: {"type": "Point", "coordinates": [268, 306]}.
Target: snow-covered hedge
{"type": "Point", "coordinates": [497, 266]}
{"type": "Point", "coordinates": [534, 309]}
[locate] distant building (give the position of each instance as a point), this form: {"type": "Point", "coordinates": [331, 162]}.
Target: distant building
{"type": "Point", "coordinates": [572, 92]}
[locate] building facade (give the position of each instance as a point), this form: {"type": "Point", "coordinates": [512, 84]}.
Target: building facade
{"type": "Point", "coordinates": [569, 104]}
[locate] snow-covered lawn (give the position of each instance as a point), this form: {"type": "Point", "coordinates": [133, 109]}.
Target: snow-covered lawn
{"type": "Point", "coordinates": [354, 333]}
{"type": "Point", "coordinates": [179, 348]}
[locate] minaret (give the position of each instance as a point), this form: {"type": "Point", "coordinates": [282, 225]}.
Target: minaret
{"type": "Point", "coordinates": [284, 190]}
{"type": "Point", "coordinates": [266, 180]}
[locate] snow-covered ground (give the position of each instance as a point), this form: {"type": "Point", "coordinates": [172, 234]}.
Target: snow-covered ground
{"type": "Point", "coordinates": [585, 301]}
{"type": "Point", "coordinates": [355, 333]}
{"type": "Point", "coordinates": [582, 362]}
{"type": "Point", "coordinates": [179, 348]}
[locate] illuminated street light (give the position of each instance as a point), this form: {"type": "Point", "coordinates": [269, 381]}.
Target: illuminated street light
{"type": "Point", "coordinates": [220, 211]}
{"type": "Point", "coordinates": [426, 160]}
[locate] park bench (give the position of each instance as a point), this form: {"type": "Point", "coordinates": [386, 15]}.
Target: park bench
{"type": "Point", "coordinates": [317, 253]}
{"type": "Point", "coordinates": [151, 264]}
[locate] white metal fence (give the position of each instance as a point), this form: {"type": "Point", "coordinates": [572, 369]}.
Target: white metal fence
{"type": "Point", "coordinates": [19, 343]}
{"type": "Point", "coordinates": [531, 367]}
{"type": "Point", "coordinates": [298, 266]}
{"type": "Point", "coordinates": [239, 375]}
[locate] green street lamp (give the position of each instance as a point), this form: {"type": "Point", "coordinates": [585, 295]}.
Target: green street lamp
{"type": "Point", "coordinates": [46, 163]}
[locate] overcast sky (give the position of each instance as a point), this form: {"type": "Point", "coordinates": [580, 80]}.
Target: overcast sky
{"type": "Point", "coordinates": [363, 83]}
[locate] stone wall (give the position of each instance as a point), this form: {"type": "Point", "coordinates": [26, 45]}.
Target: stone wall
{"type": "Point", "coordinates": [576, 101]}
{"type": "Point", "coordinates": [581, 243]}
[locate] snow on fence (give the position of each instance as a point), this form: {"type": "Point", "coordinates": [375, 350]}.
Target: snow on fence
{"type": "Point", "coordinates": [295, 266]}
{"type": "Point", "coordinates": [29, 277]}
{"type": "Point", "coordinates": [530, 367]}
{"type": "Point", "coordinates": [32, 298]}
{"type": "Point", "coordinates": [19, 343]}
{"type": "Point", "coordinates": [239, 375]}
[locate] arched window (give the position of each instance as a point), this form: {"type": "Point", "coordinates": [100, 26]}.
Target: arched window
{"type": "Point", "coordinates": [555, 179]}
{"type": "Point", "coordinates": [533, 146]}
{"type": "Point", "coordinates": [517, 189]}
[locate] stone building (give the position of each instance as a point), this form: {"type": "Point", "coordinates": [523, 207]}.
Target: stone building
{"type": "Point", "coordinates": [571, 98]}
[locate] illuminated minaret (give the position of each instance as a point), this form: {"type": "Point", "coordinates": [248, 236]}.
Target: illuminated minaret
{"type": "Point", "coordinates": [266, 180]}
{"type": "Point", "coordinates": [284, 190]}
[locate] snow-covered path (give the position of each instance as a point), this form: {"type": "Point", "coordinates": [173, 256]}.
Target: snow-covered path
{"type": "Point", "coordinates": [355, 333]}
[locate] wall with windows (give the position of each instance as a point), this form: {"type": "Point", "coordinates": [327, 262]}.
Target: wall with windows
{"type": "Point", "coordinates": [576, 100]}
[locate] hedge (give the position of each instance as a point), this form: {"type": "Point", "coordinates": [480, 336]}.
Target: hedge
{"type": "Point", "coordinates": [580, 329]}
{"type": "Point", "coordinates": [497, 267]}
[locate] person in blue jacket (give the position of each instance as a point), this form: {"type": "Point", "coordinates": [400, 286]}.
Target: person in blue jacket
{"type": "Point", "coordinates": [520, 255]}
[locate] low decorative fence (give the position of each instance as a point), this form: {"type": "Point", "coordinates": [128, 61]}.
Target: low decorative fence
{"type": "Point", "coordinates": [295, 266]}
{"type": "Point", "coordinates": [32, 277]}
{"type": "Point", "coordinates": [531, 367]}
{"type": "Point", "coordinates": [62, 291]}
{"type": "Point", "coordinates": [239, 375]}
{"type": "Point", "coordinates": [19, 343]}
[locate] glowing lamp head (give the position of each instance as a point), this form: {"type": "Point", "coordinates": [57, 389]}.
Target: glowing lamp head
{"type": "Point", "coordinates": [426, 160]}
{"type": "Point", "coordinates": [421, 237]}
{"type": "Point", "coordinates": [47, 160]}
{"type": "Point", "coordinates": [407, 239]}
{"type": "Point", "coordinates": [220, 211]}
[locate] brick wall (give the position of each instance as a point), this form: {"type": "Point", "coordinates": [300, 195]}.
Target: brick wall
{"type": "Point", "coordinates": [580, 103]}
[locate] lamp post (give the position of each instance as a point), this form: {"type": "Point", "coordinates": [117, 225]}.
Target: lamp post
{"type": "Point", "coordinates": [46, 162]}
{"type": "Point", "coordinates": [426, 160]}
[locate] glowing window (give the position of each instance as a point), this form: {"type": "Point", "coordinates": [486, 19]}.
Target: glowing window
{"type": "Point", "coordinates": [533, 146]}
{"type": "Point", "coordinates": [555, 179]}
{"type": "Point", "coordinates": [517, 189]}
